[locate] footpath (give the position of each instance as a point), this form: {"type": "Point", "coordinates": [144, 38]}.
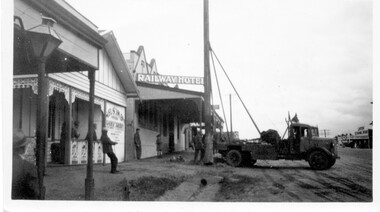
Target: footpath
{"type": "Point", "coordinates": [67, 182]}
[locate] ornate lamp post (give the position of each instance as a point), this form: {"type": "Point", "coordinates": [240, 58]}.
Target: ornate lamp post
{"type": "Point", "coordinates": [44, 40]}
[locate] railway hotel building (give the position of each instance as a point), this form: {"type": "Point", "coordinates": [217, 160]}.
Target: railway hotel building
{"type": "Point", "coordinates": [161, 109]}
{"type": "Point", "coordinates": [121, 103]}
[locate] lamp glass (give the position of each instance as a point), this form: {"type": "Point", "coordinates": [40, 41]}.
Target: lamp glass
{"type": "Point", "coordinates": [44, 39]}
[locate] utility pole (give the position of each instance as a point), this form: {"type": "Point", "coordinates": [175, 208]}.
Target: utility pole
{"type": "Point", "coordinates": [231, 114]}
{"type": "Point", "coordinates": [207, 84]}
{"type": "Point", "coordinates": [325, 132]}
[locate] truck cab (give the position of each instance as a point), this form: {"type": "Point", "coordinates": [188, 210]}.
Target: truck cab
{"type": "Point", "coordinates": [300, 136]}
{"type": "Point", "coordinates": [304, 142]}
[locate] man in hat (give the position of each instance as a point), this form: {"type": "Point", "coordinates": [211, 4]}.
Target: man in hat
{"type": "Point", "coordinates": [199, 146]}
{"type": "Point", "coordinates": [107, 149]}
{"type": "Point", "coordinates": [24, 174]}
{"type": "Point", "coordinates": [137, 141]}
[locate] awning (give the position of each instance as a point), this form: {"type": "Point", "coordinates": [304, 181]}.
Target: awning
{"type": "Point", "coordinates": [186, 104]}
{"type": "Point", "coordinates": [79, 50]}
{"type": "Point", "coordinates": [159, 92]}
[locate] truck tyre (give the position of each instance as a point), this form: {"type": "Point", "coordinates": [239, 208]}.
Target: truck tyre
{"type": "Point", "coordinates": [319, 160]}
{"type": "Point", "coordinates": [234, 158]}
{"type": "Point", "coordinates": [332, 161]}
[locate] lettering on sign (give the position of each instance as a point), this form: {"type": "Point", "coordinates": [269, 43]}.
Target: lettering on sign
{"type": "Point", "coordinates": [154, 78]}
{"type": "Point", "coordinates": [115, 123]}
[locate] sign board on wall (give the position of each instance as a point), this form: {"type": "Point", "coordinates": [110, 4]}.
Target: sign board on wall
{"type": "Point", "coordinates": [115, 123]}
{"type": "Point", "coordinates": [155, 78]}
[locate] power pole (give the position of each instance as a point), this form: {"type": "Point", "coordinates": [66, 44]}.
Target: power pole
{"type": "Point", "coordinates": [325, 132]}
{"type": "Point", "coordinates": [231, 114]}
{"type": "Point", "coordinates": [207, 84]}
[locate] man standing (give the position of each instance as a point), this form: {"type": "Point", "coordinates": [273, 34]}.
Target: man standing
{"type": "Point", "coordinates": [107, 149]}
{"type": "Point", "coordinates": [24, 174]}
{"type": "Point", "coordinates": [199, 146]}
{"type": "Point", "coordinates": [75, 131]}
{"type": "Point", "coordinates": [137, 141]}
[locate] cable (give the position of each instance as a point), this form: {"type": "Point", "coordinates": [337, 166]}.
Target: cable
{"type": "Point", "coordinates": [235, 90]}
{"type": "Point", "coordinates": [220, 95]}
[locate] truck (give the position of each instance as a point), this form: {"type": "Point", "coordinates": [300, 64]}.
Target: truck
{"type": "Point", "coordinates": [303, 143]}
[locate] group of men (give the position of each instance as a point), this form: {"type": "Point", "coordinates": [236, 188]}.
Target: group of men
{"type": "Point", "coordinates": [24, 173]}
{"type": "Point", "coordinates": [24, 180]}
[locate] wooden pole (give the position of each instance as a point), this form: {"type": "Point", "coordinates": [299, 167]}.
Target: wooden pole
{"type": "Point", "coordinates": [89, 181]}
{"type": "Point", "coordinates": [41, 133]}
{"type": "Point", "coordinates": [207, 84]}
{"type": "Point", "coordinates": [231, 113]}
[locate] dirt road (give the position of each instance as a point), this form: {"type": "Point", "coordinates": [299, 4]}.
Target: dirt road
{"type": "Point", "coordinates": [349, 180]}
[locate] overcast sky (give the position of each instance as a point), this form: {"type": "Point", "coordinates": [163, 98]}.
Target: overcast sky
{"type": "Point", "coordinates": [313, 58]}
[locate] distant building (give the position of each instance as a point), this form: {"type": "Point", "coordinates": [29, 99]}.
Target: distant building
{"type": "Point", "coordinates": [362, 138]}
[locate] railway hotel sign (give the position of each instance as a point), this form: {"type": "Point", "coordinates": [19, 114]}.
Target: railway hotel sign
{"type": "Point", "coordinates": [154, 78]}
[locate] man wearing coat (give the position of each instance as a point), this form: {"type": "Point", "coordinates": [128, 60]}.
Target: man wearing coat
{"type": "Point", "coordinates": [137, 141]}
{"type": "Point", "coordinates": [107, 149]}
{"type": "Point", "coordinates": [199, 146]}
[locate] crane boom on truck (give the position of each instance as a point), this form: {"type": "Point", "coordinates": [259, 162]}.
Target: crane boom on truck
{"type": "Point", "coordinates": [303, 143]}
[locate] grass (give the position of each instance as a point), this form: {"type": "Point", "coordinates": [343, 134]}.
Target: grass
{"type": "Point", "coordinates": [234, 188]}
{"type": "Point", "coordinates": [150, 188]}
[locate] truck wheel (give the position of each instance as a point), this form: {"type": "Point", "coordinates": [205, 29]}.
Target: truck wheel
{"type": "Point", "coordinates": [318, 160]}
{"type": "Point", "coordinates": [332, 162]}
{"type": "Point", "coordinates": [234, 158]}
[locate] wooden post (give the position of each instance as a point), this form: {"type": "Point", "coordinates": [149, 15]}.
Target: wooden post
{"type": "Point", "coordinates": [41, 133]}
{"type": "Point", "coordinates": [89, 181]}
{"type": "Point", "coordinates": [69, 124]}
{"type": "Point", "coordinates": [207, 84]}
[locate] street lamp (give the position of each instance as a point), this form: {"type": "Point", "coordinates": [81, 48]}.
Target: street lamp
{"type": "Point", "coordinates": [44, 40]}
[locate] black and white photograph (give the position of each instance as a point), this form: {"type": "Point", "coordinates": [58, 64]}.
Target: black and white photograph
{"type": "Point", "coordinates": [189, 105]}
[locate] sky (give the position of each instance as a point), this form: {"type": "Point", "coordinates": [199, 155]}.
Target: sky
{"type": "Point", "coordinates": [313, 58]}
